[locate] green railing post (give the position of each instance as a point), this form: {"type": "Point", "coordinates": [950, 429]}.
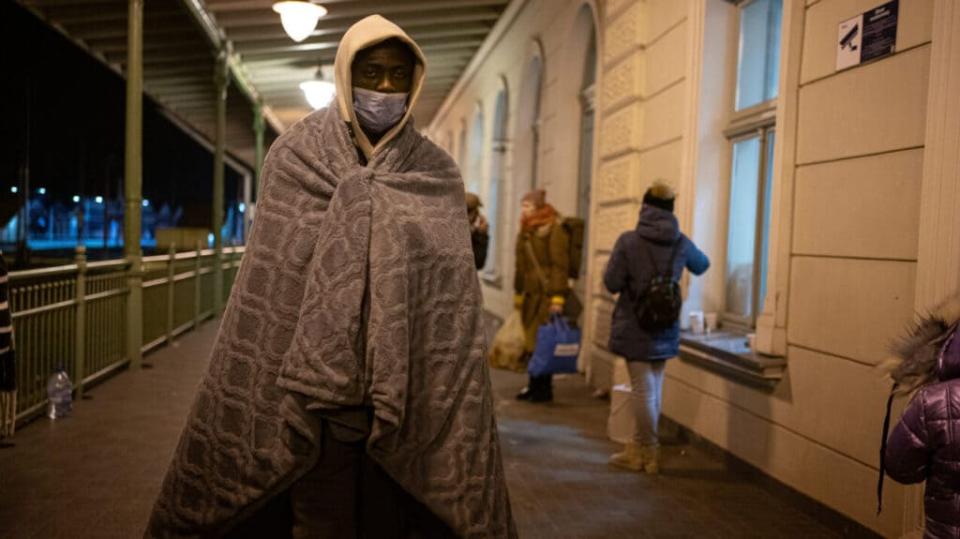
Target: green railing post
{"type": "Point", "coordinates": [171, 290]}
{"type": "Point", "coordinates": [80, 321]}
{"type": "Point", "coordinates": [221, 79]}
{"type": "Point", "coordinates": [133, 182]}
{"type": "Point", "coordinates": [196, 287]}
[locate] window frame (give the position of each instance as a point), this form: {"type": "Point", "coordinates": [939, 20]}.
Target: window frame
{"type": "Point", "coordinates": [755, 121]}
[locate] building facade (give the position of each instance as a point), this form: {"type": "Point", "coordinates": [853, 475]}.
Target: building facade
{"type": "Point", "coordinates": [824, 196]}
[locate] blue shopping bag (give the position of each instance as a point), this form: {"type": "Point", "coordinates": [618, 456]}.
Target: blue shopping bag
{"type": "Point", "coordinates": [558, 346]}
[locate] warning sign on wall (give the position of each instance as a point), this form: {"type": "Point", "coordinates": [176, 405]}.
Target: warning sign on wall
{"type": "Point", "coordinates": [868, 36]}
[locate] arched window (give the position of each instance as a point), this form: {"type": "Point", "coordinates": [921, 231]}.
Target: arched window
{"type": "Point", "coordinates": [462, 146]}
{"type": "Point", "coordinates": [527, 148]}
{"type": "Point", "coordinates": [494, 193]}
{"type": "Point", "coordinates": [474, 172]}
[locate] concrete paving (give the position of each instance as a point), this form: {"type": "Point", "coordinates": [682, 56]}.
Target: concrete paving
{"type": "Point", "coordinates": [96, 473]}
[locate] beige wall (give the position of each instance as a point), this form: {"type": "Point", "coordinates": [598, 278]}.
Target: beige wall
{"type": "Point", "coordinates": [848, 169]}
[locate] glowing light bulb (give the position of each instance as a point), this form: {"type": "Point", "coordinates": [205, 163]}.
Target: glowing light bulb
{"type": "Point", "coordinates": [299, 19]}
{"type": "Point", "coordinates": [319, 93]}
{"type": "Point", "coordinates": [76, 198]}
{"type": "Point", "coordinates": [99, 200]}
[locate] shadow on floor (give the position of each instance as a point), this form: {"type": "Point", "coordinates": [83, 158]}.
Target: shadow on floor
{"type": "Point", "coordinates": [96, 473]}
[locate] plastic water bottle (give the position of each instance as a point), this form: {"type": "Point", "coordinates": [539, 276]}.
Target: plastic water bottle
{"type": "Point", "coordinates": [60, 394]}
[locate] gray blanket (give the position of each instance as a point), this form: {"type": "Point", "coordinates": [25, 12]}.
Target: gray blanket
{"type": "Point", "coordinates": [357, 289]}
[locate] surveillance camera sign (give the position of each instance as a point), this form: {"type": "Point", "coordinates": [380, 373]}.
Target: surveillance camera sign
{"type": "Point", "coordinates": [849, 42]}
{"type": "Point", "coordinates": [868, 36]}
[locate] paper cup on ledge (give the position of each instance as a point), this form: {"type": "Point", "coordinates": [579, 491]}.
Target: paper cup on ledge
{"type": "Point", "coordinates": [752, 341]}
{"type": "Point", "coordinates": [696, 322]}
{"type": "Point", "coordinates": [710, 321]}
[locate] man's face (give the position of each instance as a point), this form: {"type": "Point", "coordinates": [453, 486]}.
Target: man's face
{"type": "Point", "coordinates": [527, 208]}
{"type": "Point", "coordinates": [386, 67]}
{"type": "Point", "coordinates": [472, 213]}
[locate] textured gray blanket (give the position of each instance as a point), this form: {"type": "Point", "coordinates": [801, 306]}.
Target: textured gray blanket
{"type": "Point", "coordinates": [357, 289]}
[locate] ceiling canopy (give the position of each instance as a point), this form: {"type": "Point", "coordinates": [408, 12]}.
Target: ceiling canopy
{"type": "Point", "coordinates": [183, 37]}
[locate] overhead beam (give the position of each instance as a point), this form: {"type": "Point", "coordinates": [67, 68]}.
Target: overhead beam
{"type": "Point", "coordinates": [237, 71]}
{"type": "Point", "coordinates": [447, 16]}
{"type": "Point", "coordinates": [463, 48]}
{"type": "Point", "coordinates": [283, 42]}
{"type": "Point", "coordinates": [336, 11]}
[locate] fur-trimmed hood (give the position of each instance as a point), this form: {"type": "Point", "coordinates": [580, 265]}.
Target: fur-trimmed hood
{"type": "Point", "coordinates": [928, 352]}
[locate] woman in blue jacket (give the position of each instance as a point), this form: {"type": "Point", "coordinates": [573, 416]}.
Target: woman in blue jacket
{"type": "Point", "coordinates": [655, 247]}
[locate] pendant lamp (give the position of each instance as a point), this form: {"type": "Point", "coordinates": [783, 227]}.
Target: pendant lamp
{"type": "Point", "coordinates": [299, 19]}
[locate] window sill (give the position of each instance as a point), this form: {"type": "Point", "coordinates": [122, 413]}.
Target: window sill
{"type": "Point", "coordinates": [725, 352]}
{"type": "Point", "coordinates": [492, 279]}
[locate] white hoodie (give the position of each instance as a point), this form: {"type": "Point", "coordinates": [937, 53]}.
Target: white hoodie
{"type": "Point", "coordinates": [367, 33]}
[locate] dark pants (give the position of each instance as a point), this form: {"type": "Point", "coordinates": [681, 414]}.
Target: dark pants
{"type": "Point", "coordinates": [541, 387]}
{"type": "Point", "coordinates": [346, 495]}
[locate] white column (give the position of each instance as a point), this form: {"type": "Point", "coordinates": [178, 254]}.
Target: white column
{"type": "Point", "coordinates": [938, 260]}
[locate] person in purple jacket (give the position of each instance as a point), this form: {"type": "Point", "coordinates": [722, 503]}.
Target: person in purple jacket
{"type": "Point", "coordinates": [925, 444]}
{"type": "Point", "coordinates": [654, 248]}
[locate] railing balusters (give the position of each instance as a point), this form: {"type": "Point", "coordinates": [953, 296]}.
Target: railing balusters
{"type": "Point", "coordinates": [197, 289]}
{"type": "Point", "coordinates": [74, 316]}
{"type": "Point", "coordinates": [80, 320]}
{"type": "Point", "coordinates": [171, 284]}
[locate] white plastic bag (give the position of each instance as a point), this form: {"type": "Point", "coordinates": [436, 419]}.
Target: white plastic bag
{"type": "Point", "coordinates": [508, 344]}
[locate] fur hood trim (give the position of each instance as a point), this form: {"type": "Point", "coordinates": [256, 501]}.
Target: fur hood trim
{"type": "Point", "coordinates": [916, 355]}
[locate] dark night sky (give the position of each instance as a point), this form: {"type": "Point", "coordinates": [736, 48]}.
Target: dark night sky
{"type": "Point", "coordinates": [71, 109]}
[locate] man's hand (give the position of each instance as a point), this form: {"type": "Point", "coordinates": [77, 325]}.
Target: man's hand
{"type": "Point", "coordinates": [481, 224]}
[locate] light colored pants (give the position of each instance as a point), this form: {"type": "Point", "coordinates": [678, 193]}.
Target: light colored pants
{"type": "Point", "coordinates": [646, 384]}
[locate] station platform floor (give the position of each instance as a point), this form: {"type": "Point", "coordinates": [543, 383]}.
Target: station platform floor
{"type": "Point", "coordinates": [96, 473]}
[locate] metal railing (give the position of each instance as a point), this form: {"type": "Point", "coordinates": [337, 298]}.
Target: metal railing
{"type": "Point", "coordinates": [75, 316]}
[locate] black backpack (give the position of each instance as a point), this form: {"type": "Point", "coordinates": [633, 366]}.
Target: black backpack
{"type": "Point", "coordinates": [658, 307]}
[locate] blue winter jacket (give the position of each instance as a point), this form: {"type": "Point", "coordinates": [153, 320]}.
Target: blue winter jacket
{"type": "Point", "coordinates": [630, 270]}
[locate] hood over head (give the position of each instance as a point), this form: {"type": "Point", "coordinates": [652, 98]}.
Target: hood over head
{"type": "Point", "coordinates": [658, 225]}
{"type": "Point", "coordinates": [364, 34]}
{"type": "Point", "coordinates": [930, 350]}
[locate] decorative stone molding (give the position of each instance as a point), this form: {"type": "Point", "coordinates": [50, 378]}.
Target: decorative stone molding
{"type": "Point", "coordinates": [772, 321]}
{"type": "Point", "coordinates": [624, 35]}
{"type": "Point", "coordinates": [601, 323]}
{"type": "Point", "coordinates": [613, 221]}
{"type": "Point", "coordinates": [622, 132]}
{"type": "Point", "coordinates": [616, 7]}
{"type": "Point", "coordinates": [938, 261]}
{"type": "Point", "coordinates": [618, 180]}
{"type": "Point", "coordinates": [938, 264]}
{"type": "Point", "coordinates": [624, 83]}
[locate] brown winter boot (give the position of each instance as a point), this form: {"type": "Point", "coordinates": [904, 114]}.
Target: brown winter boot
{"type": "Point", "coordinates": [630, 458]}
{"type": "Point", "coordinates": [650, 456]}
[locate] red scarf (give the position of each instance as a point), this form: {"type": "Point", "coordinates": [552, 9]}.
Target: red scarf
{"type": "Point", "coordinates": [543, 215]}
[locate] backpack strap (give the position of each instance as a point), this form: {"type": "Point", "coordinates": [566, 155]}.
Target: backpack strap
{"type": "Point", "coordinates": [536, 265]}
{"type": "Point", "coordinates": [673, 257]}
{"type": "Point", "coordinates": [653, 263]}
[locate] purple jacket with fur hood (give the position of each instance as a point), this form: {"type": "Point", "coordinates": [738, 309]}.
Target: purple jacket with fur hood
{"type": "Point", "coordinates": [925, 444]}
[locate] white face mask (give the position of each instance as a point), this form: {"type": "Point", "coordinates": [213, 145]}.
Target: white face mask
{"type": "Point", "coordinates": [377, 112]}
